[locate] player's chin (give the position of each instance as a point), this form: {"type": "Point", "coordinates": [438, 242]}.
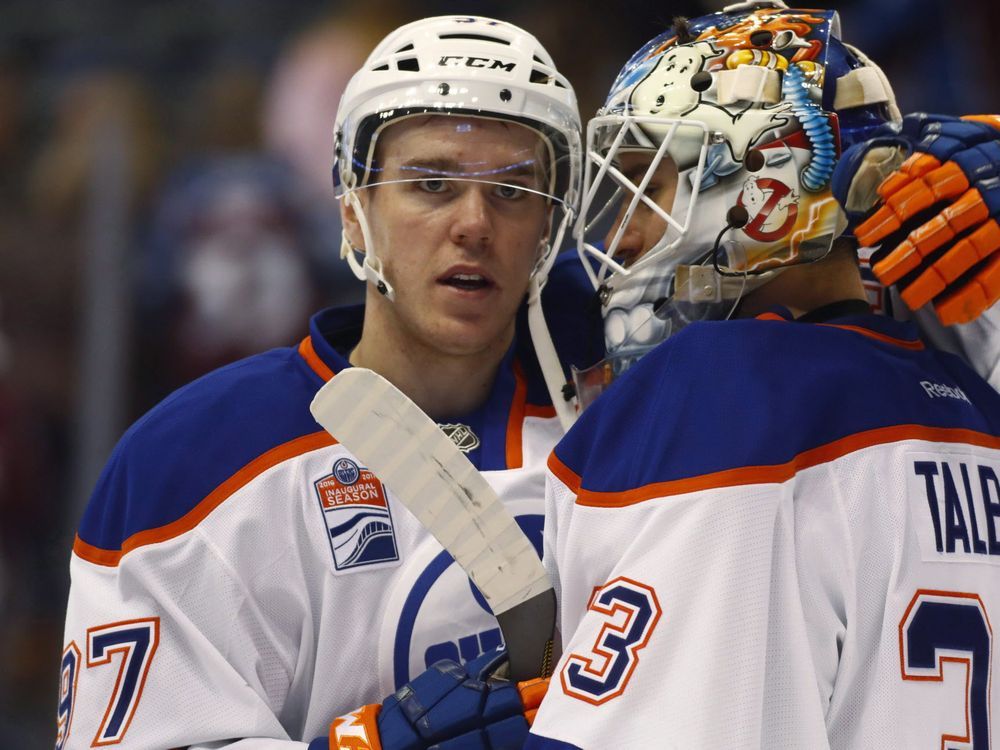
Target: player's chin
{"type": "Point", "coordinates": [464, 334]}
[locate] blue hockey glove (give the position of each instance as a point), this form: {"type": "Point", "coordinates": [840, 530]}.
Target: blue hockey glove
{"type": "Point", "coordinates": [935, 214]}
{"type": "Point", "coordinates": [450, 706]}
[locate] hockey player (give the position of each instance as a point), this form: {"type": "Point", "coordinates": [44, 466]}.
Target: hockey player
{"type": "Point", "coordinates": [779, 530]}
{"type": "Point", "coordinates": [238, 578]}
{"type": "Point", "coordinates": [776, 531]}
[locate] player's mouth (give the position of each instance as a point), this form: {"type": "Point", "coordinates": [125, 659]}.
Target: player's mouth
{"type": "Point", "coordinates": [626, 256]}
{"type": "Point", "coordinates": [467, 281]}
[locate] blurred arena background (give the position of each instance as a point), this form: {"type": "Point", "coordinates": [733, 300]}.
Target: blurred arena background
{"type": "Point", "coordinates": [165, 207]}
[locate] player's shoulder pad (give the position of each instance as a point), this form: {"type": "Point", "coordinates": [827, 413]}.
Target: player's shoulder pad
{"type": "Point", "coordinates": [195, 440]}
{"type": "Point", "coordinates": [748, 393]}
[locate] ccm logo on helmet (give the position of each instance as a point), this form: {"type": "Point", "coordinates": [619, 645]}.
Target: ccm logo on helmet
{"type": "Point", "coordinates": [457, 61]}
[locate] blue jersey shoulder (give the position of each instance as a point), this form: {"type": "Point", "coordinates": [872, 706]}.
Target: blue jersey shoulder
{"type": "Point", "coordinates": [734, 394]}
{"type": "Point", "coordinates": [196, 439]}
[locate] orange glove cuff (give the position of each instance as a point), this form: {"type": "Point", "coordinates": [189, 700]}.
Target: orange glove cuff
{"type": "Point", "coordinates": [357, 730]}
{"type": "Point", "coordinates": [532, 692]}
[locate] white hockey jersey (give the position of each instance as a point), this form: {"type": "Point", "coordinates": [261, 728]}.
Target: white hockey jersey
{"type": "Point", "coordinates": [240, 576]}
{"type": "Point", "coordinates": [771, 534]}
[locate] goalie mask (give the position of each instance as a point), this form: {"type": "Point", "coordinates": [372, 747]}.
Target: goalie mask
{"type": "Point", "coordinates": [747, 111]}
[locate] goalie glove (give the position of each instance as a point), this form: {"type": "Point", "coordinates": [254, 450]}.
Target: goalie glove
{"type": "Point", "coordinates": [935, 216]}
{"type": "Point", "coordinates": [450, 706]}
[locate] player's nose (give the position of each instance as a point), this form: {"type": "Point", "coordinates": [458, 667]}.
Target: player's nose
{"type": "Point", "coordinates": [472, 224]}
{"type": "Point", "coordinates": [626, 244]}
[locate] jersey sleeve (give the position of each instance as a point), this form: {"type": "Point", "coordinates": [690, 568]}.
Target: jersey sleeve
{"type": "Point", "coordinates": [188, 616]}
{"type": "Point", "coordinates": [638, 668]}
{"type": "Point", "coordinates": [167, 649]}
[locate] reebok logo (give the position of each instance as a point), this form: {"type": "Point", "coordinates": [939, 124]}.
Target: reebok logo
{"type": "Point", "coordinates": [939, 390]}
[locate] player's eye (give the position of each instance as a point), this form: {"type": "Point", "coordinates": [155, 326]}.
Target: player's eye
{"type": "Point", "coordinates": [433, 185]}
{"type": "Point", "coordinates": [509, 192]}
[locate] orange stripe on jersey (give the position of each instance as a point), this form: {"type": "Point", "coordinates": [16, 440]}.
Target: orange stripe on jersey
{"type": "Point", "coordinates": [308, 353]}
{"type": "Point", "coordinates": [275, 456]}
{"type": "Point", "coordinates": [913, 344]}
{"type": "Point", "coordinates": [563, 473]}
{"type": "Point", "coordinates": [745, 475]}
{"type": "Point", "coordinates": [515, 422]}
{"type": "Point", "coordinates": [519, 409]}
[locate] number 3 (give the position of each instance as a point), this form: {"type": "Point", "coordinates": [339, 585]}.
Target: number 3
{"type": "Point", "coordinates": [630, 610]}
{"type": "Point", "coordinates": [945, 626]}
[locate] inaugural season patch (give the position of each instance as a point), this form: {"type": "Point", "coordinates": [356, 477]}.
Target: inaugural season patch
{"type": "Point", "coordinates": [357, 516]}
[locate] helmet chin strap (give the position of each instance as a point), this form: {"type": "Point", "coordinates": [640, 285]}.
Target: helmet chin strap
{"type": "Point", "coordinates": [541, 338]}
{"type": "Point", "coordinates": [370, 269]}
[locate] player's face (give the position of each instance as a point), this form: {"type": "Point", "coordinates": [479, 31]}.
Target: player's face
{"type": "Point", "coordinates": [458, 252]}
{"type": "Point", "coordinates": [646, 227]}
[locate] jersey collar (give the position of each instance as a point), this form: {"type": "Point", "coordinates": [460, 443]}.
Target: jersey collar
{"type": "Point", "coordinates": [497, 423]}
{"type": "Point", "coordinates": [856, 316]}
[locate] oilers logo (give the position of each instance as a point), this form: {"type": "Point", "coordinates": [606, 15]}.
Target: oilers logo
{"type": "Point", "coordinates": [354, 505]}
{"type": "Point", "coordinates": [434, 612]}
{"type": "Point", "coordinates": [346, 471]}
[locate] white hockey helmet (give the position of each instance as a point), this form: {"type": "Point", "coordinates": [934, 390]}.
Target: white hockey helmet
{"type": "Point", "coordinates": [463, 66]}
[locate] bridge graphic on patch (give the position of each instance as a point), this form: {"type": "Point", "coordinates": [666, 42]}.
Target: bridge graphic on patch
{"type": "Point", "coordinates": [357, 515]}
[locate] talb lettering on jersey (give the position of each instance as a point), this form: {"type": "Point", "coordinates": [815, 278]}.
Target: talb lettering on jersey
{"type": "Point", "coordinates": [956, 505]}
{"type": "Point", "coordinates": [357, 515]}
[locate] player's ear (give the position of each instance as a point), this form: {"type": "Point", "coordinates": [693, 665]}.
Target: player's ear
{"type": "Point", "coordinates": [350, 206]}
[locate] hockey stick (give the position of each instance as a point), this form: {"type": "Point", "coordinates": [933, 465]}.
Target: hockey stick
{"type": "Point", "coordinates": [425, 470]}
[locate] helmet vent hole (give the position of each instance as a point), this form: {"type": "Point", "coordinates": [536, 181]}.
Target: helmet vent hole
{"type": "Point", "coordinates": [408, 63]}
{"type": "Point", "coordinates": [701, 80]}
{"type": "Point", "coordinates": [539, 76]}
{"type": "Point", "coordinates": [407, 48]}
{"type": "Point", "coordinates": [381, 67]}
{"type": "Point", "coordinates": [754, 161]}
{"type": "Point", "coordinates": [737, 217]}
{"type": "Point", "coordinates": [478, 37]}
{"type": "Point", "coordinates": [761, 38]}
